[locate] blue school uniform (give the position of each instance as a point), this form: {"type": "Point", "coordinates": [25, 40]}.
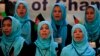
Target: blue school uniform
{"type": "Point", "coordinates": [25, 22]}
{"type": "Point", "coordinates": [45, 47]}
{"type": "Point", "coordinates": [62, 31]}
{"type": "Point", "coordinates": [14, 40]}
{"type": "Point", "coordinates": [80, 48]}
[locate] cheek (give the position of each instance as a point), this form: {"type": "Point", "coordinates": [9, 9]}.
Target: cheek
{"type": "Point", "coordinates": [10, 29]}
{"type": "Point", "coordinates": [60, 14]}
{"type": "Point", "coordinates": [48, 32]}
{"type": "Point", "coordinates": [24, 10]}
{"type": "Point", "coordinates": [93, 16]}
{"type": "Point", "coordinates": [81, 35]}
{"type": "Point", "coordinates": [54, 14]}
{"type": "Point", "coordinates": [74, 35]}
{"type": "Point", "coordinates": [40, 32]}
{"type": "Point", "coordinates": [18, 11]}
{"type": "Point", "coordinates": [87, 16]}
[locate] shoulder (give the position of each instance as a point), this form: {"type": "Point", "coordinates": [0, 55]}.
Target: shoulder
{"type": "Point", "coordinates": [69, 47]}
{"type": "Point", "coordinates": [32, 48]}
{"type": "Point", "coordinates": [91, 49]}
{"type": "Point", "coordinates": [25, 44]}
{"type": "Point", "coordinates": [66, 51]}
{"type": "Point", "coordinates": [69, 26]}
{"type": "Point", "coordinates": [55, 44]}
{"type": "Point", "coordinates": [20, 40]}
{"type": "Point", "coordinates": [32, 45]}
{"type": "Point", "coordinates": [32, 22]}
{"type": "Point", "coordinates": [33, 25]}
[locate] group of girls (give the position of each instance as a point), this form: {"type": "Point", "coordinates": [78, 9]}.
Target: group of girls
{"type": "Point", "coordinates": [22, 37]}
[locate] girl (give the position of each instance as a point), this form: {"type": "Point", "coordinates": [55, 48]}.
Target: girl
{"type": "Point", "coordinates": [61, 30]}
{"type": "Point", "coordinates": [44, 45]}
{"type": "Point", "coordinates": [27, 25]}
{"type": "Point", "coordinates": [60, 27]}
{"type": "Point", "coordinates": [2, 15]}
{"type": "Point", "coordinates": [79, 45]}
{"type": "Point", "coordinates": [92, 24]}
{"type": "Point", "coordinates": [12, 44]}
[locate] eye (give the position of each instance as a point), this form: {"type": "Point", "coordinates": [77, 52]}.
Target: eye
{"type": "Point", "coordinates": [9, 25]}
{"type": "Point", "coordinates": [23, 7]}
{"type": "Point", "coordinates": [59, 11]}
{"type": "Point", "coordinates": [87, 13]}
{"type": "Point", "coordinates": [74, 31]}
{"type": "Point", "coordinates": [80, 31]}
{"type": "Point", "coordinates": [92, 12]}
{"type": "Point", "coordinates": [54, 11]}
{"type": "Point", "coordinates": [47, 28]}
{"type": "Point", "coordinates": [18, 7]}
{"type": "Point", "coordinates": [41, 28]}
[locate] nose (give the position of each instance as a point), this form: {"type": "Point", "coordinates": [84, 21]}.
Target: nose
{"type": "Point", "coordinates": [57, 12]}
{"type": "Point", "coordinates": [77, 33]}
{"type": "Point", "coordinates": [89, 14]}
{"type": "Point", "coordinates": [44, 30]}
{"type": "Point", "coordinates": [5, 28]}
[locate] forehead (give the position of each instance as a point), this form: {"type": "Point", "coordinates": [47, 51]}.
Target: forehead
{"type": "Point", "coordinates": [44, 25]}
{"type": "Point", "coordinates": [21, 4]}
{"type": "Point", "coordinates": [56, 7]}
{"type": "Point", "coordinates": [77, 29]}
{"type": "Point", "coordinates": [90, 8]}
{"type": "Point", "coordinates": [7, 21]}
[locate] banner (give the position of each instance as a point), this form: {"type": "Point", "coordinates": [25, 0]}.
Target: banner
{"type": "Point", "coordinates": [74, 7]}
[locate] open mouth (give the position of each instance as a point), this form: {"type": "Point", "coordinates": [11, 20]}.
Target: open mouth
{"type": "Point", "coordinates": [57, 16]}
{"type": "Point", "coordinates": [44, 34]}
{"type": "Point", "coordinates": [6, 32]}
{"type": "Point", "coordinates": [77, 37]}
{"type": "Point", "coordinates": [21, 13]}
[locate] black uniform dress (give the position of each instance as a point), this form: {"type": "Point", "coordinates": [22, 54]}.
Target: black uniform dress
{"type": "Point", "coordinates": [24, 51]}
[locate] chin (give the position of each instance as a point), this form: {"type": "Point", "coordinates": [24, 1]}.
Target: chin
{"type": "Point", "coordinates": [44, 37]}
{"type": "Point", "coordinates": [57, 19]}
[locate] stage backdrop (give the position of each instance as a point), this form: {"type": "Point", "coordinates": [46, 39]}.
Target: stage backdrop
{"type": "Point", "coordinates": [74, 7]}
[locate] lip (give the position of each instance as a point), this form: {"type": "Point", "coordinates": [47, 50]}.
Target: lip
{"type": "Point", "coordinates": [57, 16]}
{"type": "Point", "coordinates": [21, 13]}
{"type": "Point", "coordinates": [77, 37]}
{"type": "Point", "coordinates": [6, 31]}
{"type": "Point", "coordinates": [44, 34]}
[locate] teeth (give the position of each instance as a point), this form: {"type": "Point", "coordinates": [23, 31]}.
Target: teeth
{"type": "Point", "coordinates": [77, 37]}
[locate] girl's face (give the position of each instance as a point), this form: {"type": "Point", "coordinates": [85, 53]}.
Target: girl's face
{"type": "Point", "coordinates": [7, 27]}
{"type": "Point", "coordinates": [90, 14]}
{"type": "Point", "coordinates": [37, 21]}
{"type": "Point", "coordinates": [21, 10]}
{"type": "Point", "coordinates": [44, 31]}
{"type": "Point", "coordinates": [78, 35]}
{"type": "Point", "coordinates": [57, 13]}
